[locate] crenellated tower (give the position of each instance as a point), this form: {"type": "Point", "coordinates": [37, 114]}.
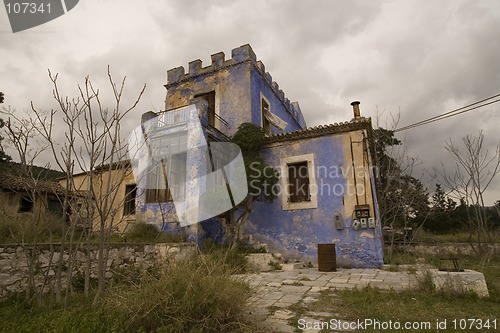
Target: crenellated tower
{"type": "Point", "coordinates": [237, 90]}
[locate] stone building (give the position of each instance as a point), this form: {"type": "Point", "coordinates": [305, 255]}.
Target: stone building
{"type": "Point", "coordinates": [326, 172]}
{"type": "Point", "coordinates": [24, 196]}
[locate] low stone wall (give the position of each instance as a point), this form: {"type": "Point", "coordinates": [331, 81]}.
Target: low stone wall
{"type": "Point", "coordinates": [443, 249]}
{"type": "Point", "coordinates": [460, 282]}
{"type": "Point", "coordinates": [15, 262]}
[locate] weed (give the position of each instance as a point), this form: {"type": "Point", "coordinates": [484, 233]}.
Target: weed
{"type": "Point", "coordinates": [197, 294]}
{"type": "Point", "coordinates": [412, 270]}
{"type": "Point", "coordinates": [424, 282]}
{"type": "Point", "coordinates": [275, 265]}
{"type": "Point", "coordinates": [294, 283]}
{"type": "Point", "coordinates": [194, 295]}
{"type": "Point", "coordinates": [298, 310]}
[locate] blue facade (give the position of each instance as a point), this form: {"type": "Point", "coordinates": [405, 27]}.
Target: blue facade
{"type": "Point", "coordinates": [296, 233]}
{"type": "Point", "coordinates": [238, 87]}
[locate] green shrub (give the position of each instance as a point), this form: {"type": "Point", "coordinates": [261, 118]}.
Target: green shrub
{"type": "Point", "coordinates": [234, 259]}
{"type": "Point", "coordinates": [142, 232]}
{"type": "Point", "coordinates": [148, 233]}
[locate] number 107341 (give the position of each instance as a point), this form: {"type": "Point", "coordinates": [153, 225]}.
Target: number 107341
{"type": "Point", "coordinates": [27, 8]}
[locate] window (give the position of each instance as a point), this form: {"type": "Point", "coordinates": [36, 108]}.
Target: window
{"type": "Point", "coordinates": [218, 159]}
{"type": "Point", "coordinates": [177, 176]}
{"type": "Point", "coordinates": [210, 98]}
{"type": "Point", "coordinates": [167, 179]}
{"type": "Point", "coordinates": [168, 145]}
{"type": "Point", "coordinates": [129, 204]}
{"type": "Point", "coordinates": [54, 206]}
{"type": "Point", "coordinates": [157, 186]}
{"type": "Point", "coordinates": [298, 182]}
{"type": "Point", "coordinates": [266, 124]}
{"type": "Point", "coordinates": [25, 204]}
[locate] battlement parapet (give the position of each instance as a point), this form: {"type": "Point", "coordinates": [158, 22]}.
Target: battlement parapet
{"type": "Point", "coordinates": [239, 55]}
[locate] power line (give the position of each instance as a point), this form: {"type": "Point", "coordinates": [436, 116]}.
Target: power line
{"type": "Point", "coordinates": [452, 113]}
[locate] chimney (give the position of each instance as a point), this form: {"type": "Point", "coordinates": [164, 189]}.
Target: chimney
{"type": "Point", "coordinates": [355, 109]}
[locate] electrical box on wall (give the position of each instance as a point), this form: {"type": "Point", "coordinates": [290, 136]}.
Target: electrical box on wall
{"type": "Point", "coordinates": [364, 223]}
{"type": "Point", "coordinates": [339, 221]}
{"type": "Point", "coordinates": [356, 225]}
{"type": "Point", "coordinates": [371, 223]}
{"type": "Point", "coordinates": [362, 211]}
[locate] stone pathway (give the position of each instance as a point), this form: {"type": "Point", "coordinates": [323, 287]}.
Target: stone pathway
{"type": "Point", "coordinates": [277, 291]}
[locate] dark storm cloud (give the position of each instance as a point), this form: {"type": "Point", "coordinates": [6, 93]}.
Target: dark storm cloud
{"type": "Point", "coordinates": [416, 58]}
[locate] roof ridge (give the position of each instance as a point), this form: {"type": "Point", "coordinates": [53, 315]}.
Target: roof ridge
{"type": "Point", "coordinates": [340, 127]}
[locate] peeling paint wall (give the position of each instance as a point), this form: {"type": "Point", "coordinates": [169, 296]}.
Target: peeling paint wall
{"type": "Point", "coordinates": [341, 160]}
{"type": "Point", "coordinates": [238, 83]}
{"type": "Point", "coordinates": [262, 86]}
{"type": "Point", "coordinates": [296, 233]}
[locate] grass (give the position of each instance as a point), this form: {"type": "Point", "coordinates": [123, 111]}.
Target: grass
{"type": "Point", "coordinates": [410, 306]}
{"type": "Point", "coordinates": [148, 233]}
{"type": "Point", "coordinates": [427, 304]}
{"type": "Point", "coordinates": [19, 316]}
{"type": "Point", "coordinates": [21, 229]}
{"type": "Point", "coordinates": [423, 305]}
{"type": "Point", "coordinates": [457, 237]}
{"type": "Point", "coordinates": [194, 295]}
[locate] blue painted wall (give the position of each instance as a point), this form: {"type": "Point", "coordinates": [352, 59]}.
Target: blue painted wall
{"type": "Point", "coordinates": [238, 83]}
{"type": "Point", "coordinates": [296, 233]}
{"type": "Point", "coordinates": [260, 86]}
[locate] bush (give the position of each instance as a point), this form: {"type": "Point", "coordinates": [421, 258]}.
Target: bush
{"type": "Point", "coordinates": [193, 295]}
{"type": "Point", "coordinates": [149, 233]}
{"type": "Point", "coordinates": [234, 259]}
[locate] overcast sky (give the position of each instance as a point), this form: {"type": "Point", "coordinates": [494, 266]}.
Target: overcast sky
{"type": "Point", "coordinates": [415, 58]}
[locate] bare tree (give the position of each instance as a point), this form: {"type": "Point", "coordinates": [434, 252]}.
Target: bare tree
{"type": "Point", "coordinates": [101, 151]}
{"type": "Point", "coordinates": [474, 171]}
{"type": "Point", "coordinates": [92, 142]}
{"type": "Point", "coordinates": [29, 182]}
{"type": "Point", "coordinates": [403, 200]}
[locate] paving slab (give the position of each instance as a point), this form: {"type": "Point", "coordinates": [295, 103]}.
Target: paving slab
{"type": "Point", "coordinates": [282, 289]}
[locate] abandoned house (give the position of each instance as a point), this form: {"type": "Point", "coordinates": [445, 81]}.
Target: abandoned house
{"type": "Point", "coordinates": [23, 196]}
{"type": "Point", "coordinates": [327, 171]}
{"type": "Point", "coordinates": [111, 189]}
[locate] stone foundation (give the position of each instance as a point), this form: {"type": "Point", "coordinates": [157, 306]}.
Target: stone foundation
{"type": "Point", "coordinates": [15, 262]}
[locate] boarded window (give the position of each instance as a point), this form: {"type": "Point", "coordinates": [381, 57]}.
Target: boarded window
{"type": "Point", "coordinates": [266, 124]}
{"type": "Point", "coordinates": [298, 182]}
{"type": "Point", "coordinates": [25, 204]}
{"type": "Point", "coordinates": [130, 194]}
